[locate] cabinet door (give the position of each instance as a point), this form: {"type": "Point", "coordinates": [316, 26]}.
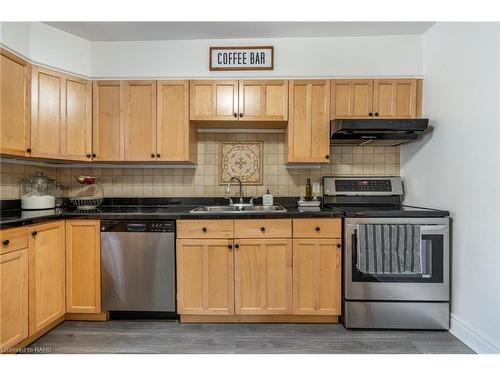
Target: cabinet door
{"type": "Point", "coordinates": [108, 125]}
{"type": "Point", "coordinates": [83, 266]}
{"type": "Point", "coordinates": [263, 276]}
{"type": "Point", "coordinates": [76, 131]}
{"type": "Point", "coordinates": [308, 132]}
{"type": "Point", "coordinates": [352, 98]}
{"type": "Point", "coordinates": [263, 100]}
{"type": "Point", "coordinates": [395, 98]}
{"type": "Point", "coordinates": [316, 277]}
{"type": "Point", "coordinates": [213, 100]}
{"type": "Point", "coordinates": [47, 113]}
{"type": "Point", "coordinates": [140, 120]}
{"type": "Point", "coordinates": [205, 277]}
{"type": "Point", "coordinates": [15, 104]}
{"type": "Point", "coordinates": [176, 137]}
{"type": "Point", "coordinates": [14, 298]}
{"type": "Point", "coordinates": [46, 275]}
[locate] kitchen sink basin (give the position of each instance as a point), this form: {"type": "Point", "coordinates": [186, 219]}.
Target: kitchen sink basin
{"type": "Point", "coordinates": [235, 209]}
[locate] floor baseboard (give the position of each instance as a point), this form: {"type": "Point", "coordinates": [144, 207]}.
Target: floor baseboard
{"type": "Point", "coordinates": [471, 338]}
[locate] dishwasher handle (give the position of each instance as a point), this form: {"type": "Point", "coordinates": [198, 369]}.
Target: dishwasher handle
{"type": "Point", "coordinates": [131, 227]}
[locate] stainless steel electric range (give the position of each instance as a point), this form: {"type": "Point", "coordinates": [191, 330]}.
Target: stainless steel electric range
{"type": "Point", "coordinates": [396, 257]}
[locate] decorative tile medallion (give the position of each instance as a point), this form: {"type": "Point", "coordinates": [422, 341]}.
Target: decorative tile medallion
{"type": "Point", "coordinates": [241, 159]}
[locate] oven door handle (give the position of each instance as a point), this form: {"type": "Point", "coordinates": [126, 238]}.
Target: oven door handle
{"type": "Point", "coordinates": [434, 227]}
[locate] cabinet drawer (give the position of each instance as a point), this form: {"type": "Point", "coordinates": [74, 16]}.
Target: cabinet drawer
{"type": "Point", "coordinates": [13, 239]}
{"type": "Point", "coordinates": [205, 229]}
{"type": "Point", "coordinates": [317, 228]}
{"type": "Point", "coordinates": [270, 228]}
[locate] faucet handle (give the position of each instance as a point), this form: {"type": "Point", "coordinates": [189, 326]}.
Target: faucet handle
{"type": "Point", "coordinates": [252, 200]}
{"type": "Point", "coordinates": [230, 200]}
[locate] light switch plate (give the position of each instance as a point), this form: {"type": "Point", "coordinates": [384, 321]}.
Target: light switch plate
{"type": "Point", "coordinates": [315, 187]}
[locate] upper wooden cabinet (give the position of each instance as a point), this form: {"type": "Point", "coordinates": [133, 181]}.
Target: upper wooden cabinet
{"type": "Point", "coordinates": [46, 274]}
{"type": "Point", "coordinates": [83, 266]}
{"type": "Point", "coordinates": [379, 98]}
{"type": "Point", "coordinates": [140, 120]}
{"type": "Point", "coordinates": [15, 107]}
{"type": "Point", "coordinates": [245, 100]}
{"type": "Point", "coordinates": [308, 131]}
{"type": "Point", "coordinates": [352, 98]}
{"type": "Point", "coordinates": [176, 137]}
{"type": "Point", "coordinates": [60, 116]}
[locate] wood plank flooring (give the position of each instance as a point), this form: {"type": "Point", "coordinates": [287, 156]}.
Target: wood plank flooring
{"type": "Point", "coordinates": [120, 336]}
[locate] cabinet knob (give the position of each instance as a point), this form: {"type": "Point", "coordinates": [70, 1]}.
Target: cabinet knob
{"type": "Point", "coordinates": [229, 247]}
{"type": "Point", "coordinates": [88, 155]}
{"type": "Point", "coordinates": [262, 229]}
{"type": "Point", "coordinates": [241, 114]}
{"type": "Point", "coordinates": [317, 229]}
{"type": "Point", "coordinates": [204, 229]}
{"type": "Point", "coordinates": [235, 114]}
{"type": "Point", "coordinates": [157, 155]}
{"type": "Point", "coordinates": [327, 157]}
{"type": "Point", "coordinates": [34, 233]}
{"type": "Point", "coordinates": [236, 246]}
{"type": "Point", "coordinates": [339, 245]}
{"type": "Point", "coordinates": [5, 242]}
{"type": "Point", "coordinates": [376, 114]}
{"type": "Point", "coordinates": [94, 155]}
{"type": "Point", "coordinates": [152, 155]}
{"type": "Point", "coordinates": [370, 114]}
{"type": "Point", "coordinates": [28, 150]}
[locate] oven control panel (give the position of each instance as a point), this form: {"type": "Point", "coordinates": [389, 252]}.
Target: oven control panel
{"type": "Point", "coordinates": [363, 185]}
{"type": "Point", "coordinates": [372, 186]}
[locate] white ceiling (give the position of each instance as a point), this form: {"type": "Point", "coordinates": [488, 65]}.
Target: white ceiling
{"type": "Point", "coordinates": [142, 31]}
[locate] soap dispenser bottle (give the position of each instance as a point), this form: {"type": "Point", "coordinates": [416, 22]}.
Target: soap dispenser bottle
{"type": "Point", "coordinates": [267, 199]}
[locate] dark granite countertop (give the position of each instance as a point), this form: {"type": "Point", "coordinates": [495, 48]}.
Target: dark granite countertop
{"type": "Point", "coordinates": [152, 209]}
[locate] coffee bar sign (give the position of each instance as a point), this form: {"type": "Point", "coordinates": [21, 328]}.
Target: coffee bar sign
{"type": "Point", "coordinates": [242, 58]}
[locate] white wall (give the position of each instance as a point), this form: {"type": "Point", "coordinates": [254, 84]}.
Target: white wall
{"type": "Point", "coordinates": [457, 168]}
{"type": "Point", "coordinates": [45, 45]}
{"type": "Point", "coordinates": [294, 57]}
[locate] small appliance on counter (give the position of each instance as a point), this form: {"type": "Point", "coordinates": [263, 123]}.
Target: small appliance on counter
{"type": "Point", "coordinates": [88, 195]}
{"type": "Point", "coordinates": [38, 193]}
{"type": "Point", "coordinates": [396, 257]}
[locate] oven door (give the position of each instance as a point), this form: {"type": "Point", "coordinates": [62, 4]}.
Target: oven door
{"type": "Point", "coordinates": [430, 285]}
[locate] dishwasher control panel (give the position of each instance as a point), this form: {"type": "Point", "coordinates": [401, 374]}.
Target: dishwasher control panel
{"type": "Point", "coordinates": [167, 226]}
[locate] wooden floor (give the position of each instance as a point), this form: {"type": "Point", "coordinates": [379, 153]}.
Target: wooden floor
{"type": "Point", "coordinates": [171, 337]}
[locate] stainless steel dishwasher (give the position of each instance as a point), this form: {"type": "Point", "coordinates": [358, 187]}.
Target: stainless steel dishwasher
{"type": "Point", "coordinates": [138, 266]}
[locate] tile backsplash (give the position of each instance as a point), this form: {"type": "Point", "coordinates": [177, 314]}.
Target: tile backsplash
{"type": "Point", "coordinates": [204, 180]}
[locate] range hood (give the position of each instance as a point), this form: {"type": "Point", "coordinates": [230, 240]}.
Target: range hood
{"type": "Point", "coordinates": [376, 132]}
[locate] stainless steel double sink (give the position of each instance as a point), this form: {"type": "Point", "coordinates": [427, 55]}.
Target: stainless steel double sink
{"type": "Point", "coordinates": [237, 209]}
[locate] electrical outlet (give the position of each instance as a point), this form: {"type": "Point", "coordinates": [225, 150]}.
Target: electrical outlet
{"type": "Point", "coordinates": [315, 188]}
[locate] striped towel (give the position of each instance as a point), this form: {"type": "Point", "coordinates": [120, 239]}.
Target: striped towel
{"type": "Point", "coordinates": [389, 249]}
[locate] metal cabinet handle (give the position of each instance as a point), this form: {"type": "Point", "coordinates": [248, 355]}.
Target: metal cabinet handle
{"type": "Point", "coordinates": [235, 114]}
{"type": "Point", "coordinates": [262, 229]}
{"type": "Point", "coordinates": [204, 229]}
{"type": "Point", "coordinates": [339, 245]}
{"type": "Point", "coordinates": [157, 155]}
{"type": "Point", "coordinates": [5, 242]}
{"type": "Point", "coordinates": [376, 114]}
{"type": "Point", "coordinates": [317, 229]}
{"type": "Point", "coordinates": [34, 233]}
{"type": "Point", "coordinates": [88, 155]}
{"type": "Point", "coordinates": [241, 114]}
{"type": "Point", "coordinates": [152, 155]}
{"type": "Point", "coordinates": [28, 150]}
{"type": "Point", "coordinates": [236, 246]}
{"type": "Point", "coordinates": [327, 157]}
{"type": "Point", "coordinates": [229, 247]}
{"type": "Point", "coordinates": [370, 114]}
{"type": "Point", "coordinates": [94, 155]}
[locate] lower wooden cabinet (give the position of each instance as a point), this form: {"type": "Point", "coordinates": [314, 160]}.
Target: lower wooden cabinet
{"type": "Point", "coordinates": [83, 266]}
{"type": "Point", "coordinates": [205, 277]}
{"type": "Point", "coordinates": [263, 276]}
{"type": "Point", "coordinates": [46, 274]}
{"type": "Point", "coordinates": [316, 276]}
{"type": "Point", "coordinates": [14, 298]}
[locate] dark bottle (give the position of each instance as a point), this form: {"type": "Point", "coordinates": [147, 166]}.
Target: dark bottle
{"type": "Point", "coordinates": [308, 190]}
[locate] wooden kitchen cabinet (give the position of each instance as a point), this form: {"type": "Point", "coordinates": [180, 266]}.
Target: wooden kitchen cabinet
{"type": "Point", "coordinates": [316, 276]}
{"type": "Point", "coordinates": [46, 274]}
{"type": "Point", "coordinates": [176, 136]}
{"type": "Point", "coordinates": [263, 100]}
{"type": "Point", "coordinates": [83, 266]}
{"type": "Point", "coordinates": [13, 298]}
{"type": "Point", "coordinates": [263, 276]}
{"type": "Point", "coordinates": [395, 98]}
{"type": "Point", "coordinates": [352, 98]}
{"type": "Point", "coordinates": [61, 111]}
{"type": "Point", "coordinates": [308, 131]}
{"type": "Point", "coordinates": [214, 100]}
{"type": "Point", "coordinates": [108, 128]}
{"type": "Point", "coordinates": [140, 120]}
{"type": "Point", "coordinates": [205, 277]}
{"type": "Point", "coordinates": [15, 104]}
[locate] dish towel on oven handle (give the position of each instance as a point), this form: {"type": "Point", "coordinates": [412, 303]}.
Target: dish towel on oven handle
{"type": "Point", "coordinates": [389, 249]}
